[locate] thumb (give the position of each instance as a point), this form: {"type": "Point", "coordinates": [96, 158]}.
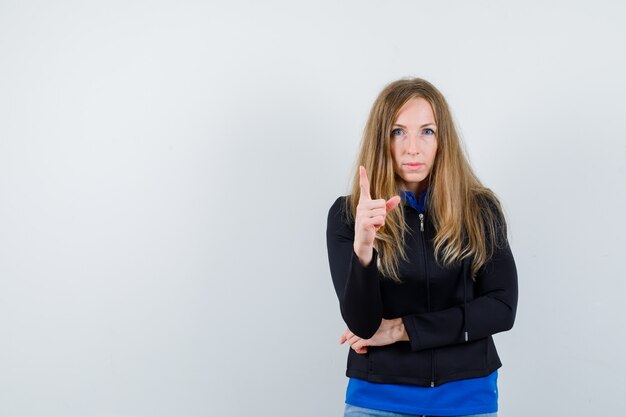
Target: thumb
{"type": "Point", "coordinates": [393, 202]}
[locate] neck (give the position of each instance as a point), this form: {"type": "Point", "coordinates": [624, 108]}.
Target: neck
{"type": "Point", "coordinates": [416, 187]}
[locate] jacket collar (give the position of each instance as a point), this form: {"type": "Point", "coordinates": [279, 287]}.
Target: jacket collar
{"type": "Point", "coordinates": [419, 203]}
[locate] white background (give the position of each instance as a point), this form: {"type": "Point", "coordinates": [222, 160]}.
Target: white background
{"type": "Point", "coordinates": [166, 169]}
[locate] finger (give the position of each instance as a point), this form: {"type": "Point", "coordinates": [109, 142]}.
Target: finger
{"type": "Point", "coordinates": [393, 203]}
{"type": "Point", "coordinates": [377, 221]}
{"type": "Point", "coordinates": [375, 212]}
{"type": "Point", "coordinates": [361, 350]}
{"type": "Point", "coordinates": [364, 182]}
{"type": "Point", "coordinates": [360, 344]}
{"type": "Point", "coordinates": [352, 340]}
{"type": "Point", "coordinates": [345, 336]}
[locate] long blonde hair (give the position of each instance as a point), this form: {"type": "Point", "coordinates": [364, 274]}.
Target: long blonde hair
{"type": "Point", "coordinates": [467, 216]}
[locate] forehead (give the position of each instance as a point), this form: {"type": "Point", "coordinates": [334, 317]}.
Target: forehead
{"type": "Point", "coordinates": [415, 111]}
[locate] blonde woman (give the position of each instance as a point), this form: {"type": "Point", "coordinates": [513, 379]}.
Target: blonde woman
{"type": "Point", "coordinates": [421, 265]}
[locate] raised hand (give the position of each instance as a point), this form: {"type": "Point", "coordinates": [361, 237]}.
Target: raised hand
{"type": "Point", "coordinates": [370, 216]}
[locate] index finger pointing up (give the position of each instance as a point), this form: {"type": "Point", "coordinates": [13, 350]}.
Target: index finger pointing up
{"type": "Point", "coordinates": [364, 182]}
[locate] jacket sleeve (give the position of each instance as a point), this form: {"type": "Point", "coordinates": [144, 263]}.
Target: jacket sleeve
{"type": "Point", "coordinates": [491, 311]}
{"type": "Point", "coordinates": [357, 286]}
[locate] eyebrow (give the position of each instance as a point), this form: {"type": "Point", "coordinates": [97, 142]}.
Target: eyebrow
{"type": "Point", "coordinates": [427, 124]}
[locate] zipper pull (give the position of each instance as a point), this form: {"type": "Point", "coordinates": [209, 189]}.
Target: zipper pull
{"type": "Point", "coordinates": [422, 222]}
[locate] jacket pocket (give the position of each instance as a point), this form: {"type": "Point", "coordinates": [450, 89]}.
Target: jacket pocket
{"type": "Point", "coordinates": [461, 358]}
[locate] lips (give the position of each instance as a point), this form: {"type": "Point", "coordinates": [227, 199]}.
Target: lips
{"type": "Point", "coordinates": [413, 167]}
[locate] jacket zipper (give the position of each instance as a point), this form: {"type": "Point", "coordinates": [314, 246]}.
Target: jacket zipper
{"type": "Point", "coordinates": [432, 351]}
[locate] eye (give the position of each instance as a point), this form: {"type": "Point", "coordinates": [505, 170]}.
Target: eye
{"type": "Point", "coordinates": [429, 130]}
{"type": "Point", "coordinates": [397, 132]}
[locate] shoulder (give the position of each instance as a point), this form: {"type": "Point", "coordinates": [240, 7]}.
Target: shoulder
{"type": "Point", "coordinates": [488, 201]}
{"type": "Point", "coordinates": [489, 204]}
{"type": "Point", "coordinates": [339, 213]}
{"type": "Point", "coordinates": [340, 205]}
{"type": "Point", "coordinates": [339, 200]}
{"type": "Point", "coordinates": [493, 218]}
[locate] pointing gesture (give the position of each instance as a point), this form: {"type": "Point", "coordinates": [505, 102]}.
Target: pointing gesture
{"type": "Point", "coordinates": [370, 216]}
{"type": "Point", "coordinates": [364, 182]}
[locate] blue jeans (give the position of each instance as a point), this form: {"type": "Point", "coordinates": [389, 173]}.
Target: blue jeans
{"type": "Point", "coordinates": [354, 411]}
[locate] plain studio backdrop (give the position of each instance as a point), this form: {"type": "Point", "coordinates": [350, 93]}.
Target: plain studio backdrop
{"type": "Point", "coordinates": [166, 169]}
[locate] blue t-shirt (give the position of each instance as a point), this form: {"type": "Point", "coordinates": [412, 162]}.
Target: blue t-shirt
{"type": "Point", "coordinates": [466, 396]}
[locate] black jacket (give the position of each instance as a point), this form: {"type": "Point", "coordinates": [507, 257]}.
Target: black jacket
{"type": "Point", "coordinates": [448, 317]}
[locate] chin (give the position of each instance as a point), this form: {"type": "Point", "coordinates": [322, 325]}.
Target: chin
{"type": "Point", "coordinates": [414, 177]}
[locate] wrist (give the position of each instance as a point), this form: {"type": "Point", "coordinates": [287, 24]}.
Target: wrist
{"type": "Point", "coordinates": [364, 256]}
{"type": "Point", "coordinates": [402, 335]}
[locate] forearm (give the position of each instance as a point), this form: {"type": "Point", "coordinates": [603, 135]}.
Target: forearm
{"type": "Point", "coordinates": [486, 316]}
{"type": "Point", "coordinates": [361, 302]}
{"type": "Point", "coordinates": [356, 281]}
{"type": "Point", "coordinates": [492, 310]}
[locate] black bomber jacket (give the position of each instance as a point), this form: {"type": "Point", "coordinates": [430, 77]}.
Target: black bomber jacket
{"type": "Point", "coordinates": [449, 318]}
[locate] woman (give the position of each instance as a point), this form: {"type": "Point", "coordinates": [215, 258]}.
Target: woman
{"type": "Point", "coordinates": [421, 265]}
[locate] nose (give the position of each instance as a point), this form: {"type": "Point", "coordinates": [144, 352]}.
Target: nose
{"type": "Point", "coordinates": [412, 144]}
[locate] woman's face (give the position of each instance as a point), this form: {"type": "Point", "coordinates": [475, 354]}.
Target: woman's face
{"type": "Point", "coordinates": [414, 144]}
